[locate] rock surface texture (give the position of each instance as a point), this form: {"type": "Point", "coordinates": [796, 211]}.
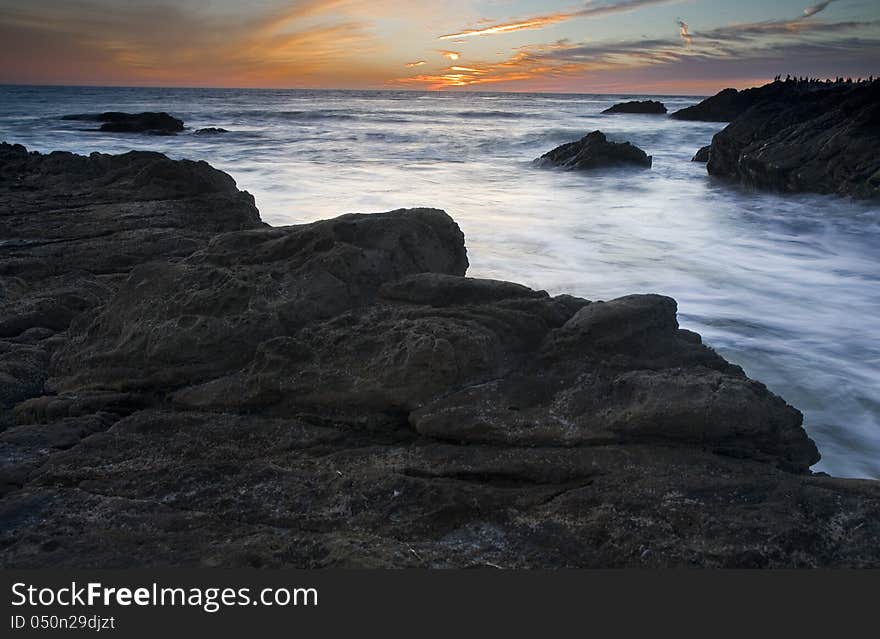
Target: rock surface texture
{"type": "Point", "coordinates": [594, 151]}
{"type": "Point", "coordinates": [809, 137]}
{"type": "Point", "coordinates": [117, 122]}
{"type": "Point", "coordinates": [649, 107]}
{"type": "Point", "coordinates": [181, 385]}
{"type": "Point", "coordinates": [703, 154]}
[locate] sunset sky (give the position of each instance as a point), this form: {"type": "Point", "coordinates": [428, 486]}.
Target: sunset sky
{"type": "Point", "coordinates": [611, 46]}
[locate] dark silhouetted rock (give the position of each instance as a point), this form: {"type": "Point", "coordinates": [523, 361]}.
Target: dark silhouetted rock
{"type": "Point", "coordinates": [724, 106]}
{"type": "Point", "coordinates": [805, 137]}
{"type": "Point", "coordinates": [649, 107]}
{"type": "Point", "coordinates": [594, 151]}
{"type": "Point", "coordinates": [702, 155]}
{"type": "Point", "coordinates": [148, 122]}
{"type": "Point", "coordinates": [204, 390]}
{"type": "Point", "coordinates": [85, 117]}
{"type": "Point", "coordinates": [211, 130]}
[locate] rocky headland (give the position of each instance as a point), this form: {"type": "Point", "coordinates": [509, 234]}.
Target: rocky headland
{"type": "Point", "coordinates": [725, 105]}
{"type": "Point", "coordinates": [594, 151]}
{"type": "Point", "coordinates": [646, 107]}
{"type": "Point", "coordinates": [181, 384]}
{"type": "Point", "coordinates": [804, 137]}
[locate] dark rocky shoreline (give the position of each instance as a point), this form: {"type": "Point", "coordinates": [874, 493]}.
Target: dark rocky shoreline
{"type": "Point", "coordinates": [181, 384]}
{"type": "Point", "coordinates": [797, 136]}
{"type": "Point", "coordinates": [724, 106]}
{"type": "Point", "coordinates": [805, 139]}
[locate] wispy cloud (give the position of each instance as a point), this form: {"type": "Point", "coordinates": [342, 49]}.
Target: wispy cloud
{"type": "Point", "coordinates": [684, 33]}
{"type": "Point", "coordinates": [748, 32]}
{"type": "Point", "coordinates": [417, 63]}
{"type": "Point", "coordinates": [539, 22]}
{"type": "Point", "coordinates": [508, 27]}
{"type": "Point", "coordinates": [817, 8]}
{"type": "Point", "coordinates": [452, 55]}
{"type": "Point", "coordinates": [620, 7]}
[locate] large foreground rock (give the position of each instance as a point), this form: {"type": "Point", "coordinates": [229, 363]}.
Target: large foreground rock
{"type": "Point", "coordinates": [805, 137]}
{"type": "Point", "coordinates": [594, 151]}
{"type": "Point", "coordinates": [646, 107]}
{"type": "Point", "coordinates": [147, 122]}
{"type": "Point", "coordinates": [204, 390]}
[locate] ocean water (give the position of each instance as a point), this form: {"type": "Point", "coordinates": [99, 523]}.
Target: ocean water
{"type": "Point", "coordinates": [788, 287]}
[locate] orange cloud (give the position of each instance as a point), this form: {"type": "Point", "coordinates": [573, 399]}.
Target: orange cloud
{"type": "Point", "coordinates": [521, 66]}
{"type": "Point", "coordinates": [452, 55]}
{"type": "Point", "coordinates": [685, 34]}
{"type": "Point", "coordinates": [418, 63]}
{"type": "Point", "coordinates": [539, 22]}
{"type": "Point", "coordinates": [535, 23]}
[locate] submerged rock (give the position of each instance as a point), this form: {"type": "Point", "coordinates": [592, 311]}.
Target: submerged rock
{"type": "Point", "coordinates": [652, 107]}
{"type": "Point", "coordinates": [207, 390]}
{"type": "Point", "coordinates": [147, 122]}
{"type": "Point", "coordinates": [805, 137]}
{"type": "Point", "coordinates": [703, 154]}
{"type": "Point", "coordinates": [211, 130]}
{"type": "Point", "coordinates": [594, 151]}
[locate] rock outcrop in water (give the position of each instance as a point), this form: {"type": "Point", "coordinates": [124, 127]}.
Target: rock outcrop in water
{"type": "Point", "coordinates": [724, 106]}
{"type": "Point", "coordinates": [206, 390]}
{"type": "Point", "coordinates": [702, 155]}
{"type": "Point", "coordinates": [805, 137]}
{"type": "Point", "coordinates": [648, 107]}
{"type": "Point", "coordinates": [211, 130]}
{"type": "Point", "coordinates": [594, 151]}
{"type": "Point", "coordinates": [148, 122]}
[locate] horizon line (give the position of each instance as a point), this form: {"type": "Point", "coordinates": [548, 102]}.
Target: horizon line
{"type": "Point", "coordinates": [371, 90]}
